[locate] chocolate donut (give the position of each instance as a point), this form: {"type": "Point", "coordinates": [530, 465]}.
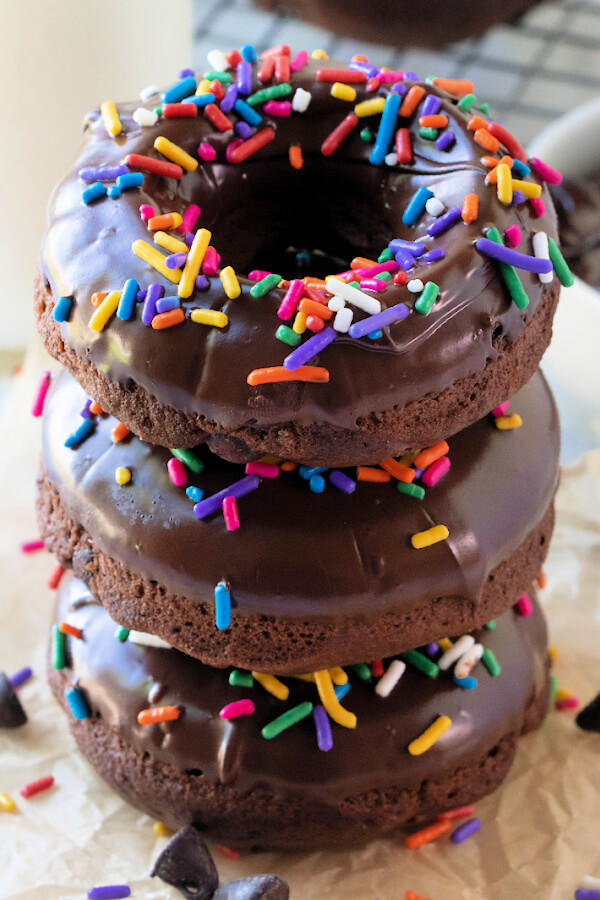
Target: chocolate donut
{"type": "Point", "coordinates": [440, 360]}
{"type": "Point", "coordinates": [313, 580]}
{"type": "Point", "coordinates": [577, 202]}
{"type": "Point", "coordinates": [283, 792]}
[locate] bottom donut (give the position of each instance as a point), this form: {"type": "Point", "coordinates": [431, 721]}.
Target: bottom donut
{"type": "Point", "coordinates": [250, 785]}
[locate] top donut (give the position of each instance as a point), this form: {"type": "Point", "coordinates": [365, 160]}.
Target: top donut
{"type": "Point", "coordinates": [300, 257]}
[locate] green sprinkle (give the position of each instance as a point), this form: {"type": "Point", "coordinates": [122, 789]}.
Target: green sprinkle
{"type": "Point", "coordinates": [58, 648]}
{"type": "Point", "coordinates": [429, 134]}
{"type": "Point", "coordinates": [362, 670]}
{"type": "Point", "coordinates": [553, 687]}
{"type": "Point", "coordinates": [385, 255]}
{"type": "Point", "coordinates": [509, 274]}
{"type": "Point", "coordinates": [427, 298]}
{"type": "Point", "coordinates": [383, 276]}
{"type": "Point", "coordinates": [467, 102]}
{"type": "Point", "coordinates": [354, 284]}
{"type": "Point", "coordinates": [223, 77]}
{"type": "Point", "coordinates": [191, 460]}
{"type": "Point", "coordinates": [263, 286]}
{"type": "Point", "coordinates": [490, 625]}
{"type": "Point", "coordinates": [121, 633]}
{"type": "Point", "coordinates": [430, 79]}
{"type": "Point", "coordinates": [241, 679]}
{"type": "Point", "coordinates": [413, 490]}
{"type": "Point", "coordinates": [288, 336]}
{"type": "Point", "coordinates": [158, 111]}
{"type": "Point", "coordinates": [287, 719]}
{"type": "Point", "coordinates": [565, 276]}
{"type": "Point", "coordinates": [366, 134]}
{"type": "Point", "coordinates": [489, 660]}
{"type": "Point", "coordinates": [420, 662]}
{"type": "Point", "coordinates": [270, 93]}
{"type": "Point", "coordinates": [485, 108]}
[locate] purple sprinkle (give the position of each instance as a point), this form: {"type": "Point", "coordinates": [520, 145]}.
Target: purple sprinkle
{"type": "Point", "coordinates": [21, 676]}
{"type": "Point", "coordinates": [153, 295]}
{"type": "Point", "coordinates": [411, 76]}
{"type": "Point", "coordinates": [102, 173]}
{"type": "Point", "coordinates": [175, 260]}
{"type": "Point", "coordinates": [435, 254]}
{"type": "Point", "coordinates": [141, 295]}
{"type": "Point", "coordinates": [419, 472]}
{"type": "Point", "coordinates": [442, 223]}
{"type": "Point", "coordinates": [166, 304]}
{"type": "Point", "coordinates": [244, 77]}
{"type": "Point", "coordinates": [359, 66]}
{"type": "Point", "coordinates": [399, 88]}
{"type": "Point", "coordinates": [185, 73]}
{"type": "Point", "coordinates": [323, 729]}
{"type": "Point", "coordinates": [109, 892]}
{"type": "Point", "coordinates": [188, 238]}
{"type": "Point", "coordinates": [465, 831]}
{"type": "Point", "coordinates": [583, 894]}
{"type": "Point", "coordinates": [445, 140]}
{"type": "Point", "coordinates": [372, 323]}
{"type": "Point", "coordinates": [213, 503]}
{"type": "Point", "coordinates": [513, 257]}
{"type": "Point", "coordinates": [309, 348]}
{"type": "Point", "coordinates": [413, 247]}
{"type": "Point", "coordinates": [85, 412]}
{"type": "Point", "coordinates": [405, 259]}
{"type": "Point", "coordinates": [431, 649]}
{"type": "Point", "coordinates": [431, 105]}
{"type": "Point", "coordinates": [518, 198]}
{"type": "Point", "coordinates": [342, 481]}
{"type": "Point", "coordinates": [202, 283]}
{"type": "Point", "coordinates": [231, 95]}
{"type": "Point", "coordinates": [243, 129]}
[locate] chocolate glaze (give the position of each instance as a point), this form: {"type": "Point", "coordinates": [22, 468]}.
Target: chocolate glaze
{"type": "Point", "coordinates": [116, 677]}
{"type": "Point", "coordinates": [577, 203]}
{"type": "Point", "coordinates": [300, 554]}
{"type": "Point", "coordinates": [341, 204]}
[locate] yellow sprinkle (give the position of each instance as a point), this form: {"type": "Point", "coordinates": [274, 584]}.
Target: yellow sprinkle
{"type": "Point", "coordinates": [154, 258]}
{"type": "Point", "coordinates": [338, 676]}
{"type": "Point", "coordinates": [330, 701]}
{"type": "Point", "coordinates": [506, 423]}
{"type": "Point", "coordinates": [191, 270]}
{"type": "Point", "coordinates": [209, 317]}
{"type": "Point", "coordinates": [161, 830]}
{"type": "Point", "coordinates": [319, 54]}
{"type": "Point", "coordinates": [308, 677]}
{"type": "Point", "coordinates": [430, 536]}
{"type": "Point", "coordinates": [7, 804]}
{"type": "Point", "coordinates": [106, 309]}
{"type": "Point", "coordinates": [299, 325]}
{"type": "Point", "coordinates": [122, 475]}
{"type": "Point", "coordinates": [203, 87]}
{"type": "Point", "coordinates": [230, 283]}
{"type": "Point", "coordinates": [175, 154]}
{"type": "Point", "coordinates": [505, 184]}
{"type": "Point", "coordinates": [369, 107]}
{"type": "Point", "coordinates": [429, 736]}
{"type": "Point", "coordinates": [112, 122]}
{"type": "Point", "coordinates": [529, 188]}
{"type": "Point", "coordinates": [170, 243]}
{"type": "Point", "coordinates": [563, 694]}
{"type": "Point", "coordinates": [444, 644]}
{"type": "Point", "coordinates": [343, 91]}
{"type": "Point", "coordinates": [553, 652]}
{"type": "Point", "coordinates": [272, 685]}
{"type": "Point", "coordinates": [269, 458]}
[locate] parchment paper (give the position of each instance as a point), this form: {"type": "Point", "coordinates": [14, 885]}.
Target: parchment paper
{"type": "Point", "coordinates": [540, 831]}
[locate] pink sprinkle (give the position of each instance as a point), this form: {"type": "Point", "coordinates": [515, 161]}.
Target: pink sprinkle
{"type": "Point", "coordinates": [389, 266]}
{"type": "Point", "coordinates": [546, 172]}
{"type": "Point", "coordinates": [265, 470]}
{"type": "Point", "coordinates": [567, 703]}
{"type": "Point", "coordinates": [32, 546]}
{"type": "Point", "coordinates": [513, 235]}
{"type": "Point", "coordinates": [231, 146]}
{"type": "Point", "coordinates": [435, 471]}
{"type": "Point", "coordinates": [299, 60]}
{"type": "Point", "coordinates": [230, 513]}
{"type": "Point", "coordinates": [146, 211]}
{"type": "Point", "coordinates": [390, 77]}
{"type": "Point", "coordinates": [189, 219]}
{"type": "Point", "coordinates": [538, 206]}
{"type": "Point", "coordinates": [524, 605]}
{"type": "Point", "coordinates": [500, 410]}
{"type": "Point", "coordinates": [177, 472]}
{"type": "Point", "coordinates": [278, 107]}
{"type": "Point", "coordinates": [40, 395]}
{"type": "Point", "coordinates": [206, 152]}
{"type": "Point", "coordinates": [372, 284]}
{"type": "Point", "coordinates": [237, 708]}
{"type": "Point", "coordinates": [258, 274]}
{"type": "Point", "coordinates": [291, 299]}
{"type": "Point", "coordinates": [210, 264]}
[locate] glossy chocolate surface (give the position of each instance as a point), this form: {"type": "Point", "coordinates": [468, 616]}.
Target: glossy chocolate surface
{"type": "Point", "coordinates": [577, 203]}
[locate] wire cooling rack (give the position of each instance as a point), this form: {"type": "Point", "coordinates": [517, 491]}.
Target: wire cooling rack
{"type": "Point", "coordinates": [531, 71]}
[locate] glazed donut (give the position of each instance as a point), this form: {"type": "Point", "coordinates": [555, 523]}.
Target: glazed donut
{"type": "Point", "coordinates": [378, 167]}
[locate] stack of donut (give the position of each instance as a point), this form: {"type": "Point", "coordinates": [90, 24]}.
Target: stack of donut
{"type": "Point", "coordinates": [300, 463]}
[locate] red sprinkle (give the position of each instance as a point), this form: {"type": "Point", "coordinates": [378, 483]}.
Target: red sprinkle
{"type": "Point", "coordinates": [55, 575]}
{"type": "Point", "coordinates": [216, 88]}
{"type": "Point", "coordinates": [346, 76]}
{"type": "Point", "coordinates": [227, 852]}
{"type": "Point", "coordinates": [510, 142]}
{"type": "Point", "coordinates": [156, 166]}
{"type": "Point", "coordinates": [35, 787]}
{"type": "Point", "coordinates": [233, 57]}
{"type": "Point", "coordinates": [282, 68]}
{"type": "Point", "coordinates": [267, 67]}
{"type": "Point", "coordinates": [279, 50]}
{"type": "Point", "coordinates": [218, 118]}
{"type": "Point", "coordinates": [333, 140]}
{"type": "Point", "coordinates": [254, 143]}
{"type": "Point", "coordinates": [403, 145]}
{"type": "Point", "coordinates": [460, 812]}
{"type": "Point", "coordinates": [178, 110]}
{"type": "Point", "coordinates": [377, 669]}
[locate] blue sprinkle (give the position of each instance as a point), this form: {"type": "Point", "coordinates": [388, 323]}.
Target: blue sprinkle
{"type": "Point", "coordinates": [131, 180]}
{"type": "Point", "coordinates": [416, 205]}
{"type": "Point", "coordinates": [307, 472]}
{"type": "Point", "coordinates": [77, 702]}
{"type": "Point", "coordinates": [80, 434]}
{"type": "Point", "coordinates": [468, 683]}
{"type": "Point", "coordinates": [317, 484]}
{"type": "Point", "coordinates": [93, 192]}
{"type": "Point", "coordinates": [250, 115]}
{"type": "Point", "coordinates": [341, 690]}
{"type": "Point", "coordinates": [62, 309]}
{"type": "Point", "coordinates": [385, 133]}
{"type": "Point", "coordinates": [222, 606]}
{"type": "Point", "coordinates": [113, 191]}
{"type": "Point", "coordinates": [248, 53]}
{"type": "Point", "coordinates": [127, 299]}
{"type": "Point", "coordinates": [166, 304]}
{"type": "Point", "coordinates": [201, 100]}
{"type": "Point", "coordinates": [178, 91]}
{"type": "Point", "coordinates": [194, 493]}
{"type": "Point", "coordinates": [520, 169]}
{"type": "Point", "coordinates": [375, 335]}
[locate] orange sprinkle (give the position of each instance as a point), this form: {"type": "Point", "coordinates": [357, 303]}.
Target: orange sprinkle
{"type": "Point", "coordinates": [358, 57]}
{"type": "Point", "coordinates": [542, 580]}
{"type": "Point", "coordinates": [367, 473]}
{"type": "Point", "coordinates": [288, 466]}
{"type": "Point", "coordinates": [411, 101]}
{"type": "Point", "coordinates": [426, 835]}
{"type": "Point", "coordinates": [296, 159]}
{"type": "Point", "coordinates": [227, 852]}
{"type": "Point", "coordinates": [119, 432]}
{"type": "Point", "coordinates": [168, 319]}
{"type": "Point", "coordinates": [361, 262]}
{"type": "Point", "coordinates": [312, 308]}
{"type": "Point", "coordinates": [430, 454]}
{"type": "Point", "coordinates": [487, 140]}
{"type": "Point", "coordinates": [476, 122]}
{"type": "Point", "coordinates": [492, 177]}
{"type": "Point", "coordinates": [158, 714]}
{"type": "Point", "coordinates": [65, 628]}
{"type": "Point", "coordinates": [273, 374]}
{"type": "Point", "coordinates": [470, 208]}
{"type": "Point", "coordinates": [55, 575]}
{"type": "Point", "coordinates": [398, 470]}
{"type": "Point", "coordinates": [311, 281]}
{"type": "Point", "coordinates": [456, 86]}
{"type": "Point", "coordinates": [410, 895]}
{"type": "Point", "coordinates": [97, 298]}
{"type": "Point", "coordinates": [437, 121]}
{"type": "Point", "coordinates": [489, 161]}
{"type": "Point", "coordinates": [95, 409]}
{"type": "Point", "coordinates": [167, 220]}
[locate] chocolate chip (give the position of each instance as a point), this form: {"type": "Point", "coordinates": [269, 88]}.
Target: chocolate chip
{"type": "Point", "coordinates": [589, 717]}
{"type": "Point", "coordinates": [12, 713]}
{"type": "Point", "coordinates": [257, 887]}
{"type": "Point", "coordinates": [186, 864]}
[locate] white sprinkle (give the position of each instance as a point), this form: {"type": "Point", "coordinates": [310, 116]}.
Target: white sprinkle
{"type": "Point", "coordinates": [540, 249]}
{"type": "Point", "coordinates": [353, 295]}
{"type": "Point", "coordinates": [145, 639]}
{"type": "Point", "coordinates": [415, 285]}
{"type": "Point", "coordinates": [435, 207]}
{"type": "Point", "coordinates": [455, 652]}
{"type": "Point", "coordinates": [147, 92]}
{"type": "Point", "coordinates": [336, 303]}
{"type": "Point", "coordinates": [391, 159]}
{"type": "Point", "coordinates": [390, 678]}
{"type": "Point", "coordinates": [301, 100]}
{"type": "Point", "coordinates": [145, 117]}
{"type": "Point", "coordinates": [343, 319]}
{"type": "Point", "coordinates": [217, 61]}
{"type": "Point", "coordinates": [589, 883]}
{"type": "Point", "coordinates": [468, 660]}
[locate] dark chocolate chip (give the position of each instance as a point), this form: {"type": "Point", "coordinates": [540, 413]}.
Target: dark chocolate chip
{"type": "Point", "coordinates": [589, 717]}
{"type": "Point", "coordinates": [12, 714]}
{"type": "Point", "coordinates": [187, 865]}
{"type": "Point", "coordinates": [257, 887]}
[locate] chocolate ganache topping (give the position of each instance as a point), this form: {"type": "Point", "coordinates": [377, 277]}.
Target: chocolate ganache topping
{"type": "Point", "coordinates": [341, 204]}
